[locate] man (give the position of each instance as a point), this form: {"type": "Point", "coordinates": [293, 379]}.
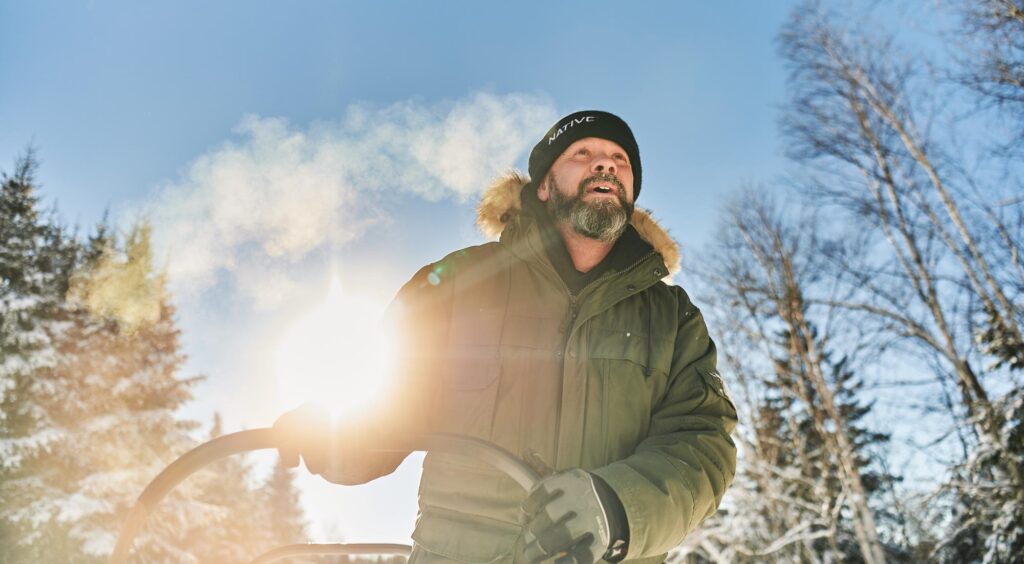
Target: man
{"type": "Point", "coordinates": [562, 343]}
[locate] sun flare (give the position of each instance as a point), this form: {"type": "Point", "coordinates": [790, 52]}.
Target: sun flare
{"type": "Point", "coordinates": [338, 354]}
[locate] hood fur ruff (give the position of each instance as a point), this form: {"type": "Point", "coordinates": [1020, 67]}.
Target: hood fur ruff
{"type": "Point", "coordinates": [500, 205]}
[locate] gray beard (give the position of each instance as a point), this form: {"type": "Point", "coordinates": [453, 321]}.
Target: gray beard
{"type": "Point", "coordinates": [603, 220]}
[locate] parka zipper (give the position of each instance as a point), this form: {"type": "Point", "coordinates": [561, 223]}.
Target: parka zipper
{"type": "Point", "coordinates": [570, 321]}
{"type": "Point", "coordinates": [571, 316]}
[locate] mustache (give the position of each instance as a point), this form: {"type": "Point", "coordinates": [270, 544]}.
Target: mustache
{"type": "Point", "coordinates": [603, 177]}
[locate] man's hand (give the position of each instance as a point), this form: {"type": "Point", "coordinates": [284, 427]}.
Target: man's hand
{"type": "Point", "coordinates": [565, 519]}
{"type": "Point", "coordinates": [307, 433]}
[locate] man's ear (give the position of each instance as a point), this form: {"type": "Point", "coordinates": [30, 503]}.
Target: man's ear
{"type": "Point", "coordinates": [543, 193]}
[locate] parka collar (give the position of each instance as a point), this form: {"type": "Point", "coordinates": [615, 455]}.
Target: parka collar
{"type": "Point", "coordinates": [500, 212]}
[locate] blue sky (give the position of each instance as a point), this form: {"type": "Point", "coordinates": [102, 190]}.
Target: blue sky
{"type": "Point", "coordinates": [119, 96]}
{"type": "Point", "coordinates": [357, 120]}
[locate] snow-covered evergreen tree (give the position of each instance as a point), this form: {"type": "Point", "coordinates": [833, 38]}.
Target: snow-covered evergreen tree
{"type": "Point", "coordinates": [242, 520]}
{"type": "Point", "coordinates": [233, 530]}
{"type": "Point", "coordinates": [105, 401]}
{"type": "Point", "coordinates": [90, 387]}
{"type": "Point", "coordinates": [988, 524]}
{"type": "Point", "coordinates": [116, 394]}
{"type": "Point", "coordinates": [35, 260]}
{"type": "Point", "coordinates": [286, 523]}
{"type": "Point", "coordinates": [787, 503]}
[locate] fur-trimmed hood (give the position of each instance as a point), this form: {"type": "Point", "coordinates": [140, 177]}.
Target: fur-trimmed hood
{"type": "Point", "coordinates": [501, 204]}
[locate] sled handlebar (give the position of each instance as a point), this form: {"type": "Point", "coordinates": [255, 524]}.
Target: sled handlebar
{"type": "Point", "coordinates": [313, 549]}
{"type": "Point", "coordinates": [257, 439]}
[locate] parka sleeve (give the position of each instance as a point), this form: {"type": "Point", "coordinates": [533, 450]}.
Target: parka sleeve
{"type": "Point", "coordinates": [678, 474]}
{"type": "Point", "coordinates": [418, 318]}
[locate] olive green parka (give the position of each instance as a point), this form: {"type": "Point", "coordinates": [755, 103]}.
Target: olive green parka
{"type": "Point", "coordinates": [619, 380]}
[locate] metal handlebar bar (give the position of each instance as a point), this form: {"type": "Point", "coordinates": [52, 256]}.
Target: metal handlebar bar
{"type": "Point", "coordinates": [313, 549]}
{"type": "Point", "coordinates": [256, 439]}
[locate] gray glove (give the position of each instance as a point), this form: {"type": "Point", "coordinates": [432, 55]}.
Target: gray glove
{"type": "Point", "coordinates": [565, 519]}
{"type": "Point", "coordinates": [304, 433]}
{"type": "Point", "coordinates": [309, 433]}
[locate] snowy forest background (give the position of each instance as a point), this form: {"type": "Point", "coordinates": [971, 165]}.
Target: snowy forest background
{"type": "Point", "coordinates": [870, 322]}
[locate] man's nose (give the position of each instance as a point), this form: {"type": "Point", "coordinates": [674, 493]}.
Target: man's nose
{"type": "Point", "coordinates": [603, 164]}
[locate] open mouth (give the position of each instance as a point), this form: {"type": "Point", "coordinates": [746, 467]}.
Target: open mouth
{"type": "Point", "coordinates": [605, 183]}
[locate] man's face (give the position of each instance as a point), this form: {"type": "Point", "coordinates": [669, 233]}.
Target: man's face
{"type": "Point", "coordinates": [590, 186]}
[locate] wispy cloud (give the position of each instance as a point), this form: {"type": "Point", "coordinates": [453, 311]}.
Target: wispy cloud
{"type": "Point", "coordinates": [277, 192]}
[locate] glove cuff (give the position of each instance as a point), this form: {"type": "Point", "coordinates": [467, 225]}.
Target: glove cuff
{"type": "Point", "coordinates": [618, 525]}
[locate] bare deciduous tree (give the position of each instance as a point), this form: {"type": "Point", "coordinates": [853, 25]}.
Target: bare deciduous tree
{"type": "Point", "coordinates": [994, 67]}
{"type": "Point", "coordinates": [802, 494]}
{"type": "Point", "coordinates": [851, 116]}
{"type": "Point", "coordinates": [946, 272]}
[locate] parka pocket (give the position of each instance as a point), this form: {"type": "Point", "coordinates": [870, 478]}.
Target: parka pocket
{"type": "Point", "coordinates": [471, 390]}
{"type": "Point", "coordinates": [612, 344]}
{"type": "Point", "coordinates": [479, 540]}
{"type": "Point", "coordinates": [620, 393]}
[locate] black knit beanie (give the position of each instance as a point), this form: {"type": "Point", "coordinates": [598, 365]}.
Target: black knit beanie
{"type": "Point", "coordinates": [572, 128]}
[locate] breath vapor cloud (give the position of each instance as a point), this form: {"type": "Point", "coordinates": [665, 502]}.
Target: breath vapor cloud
{"type": "Point", "coordinates": [278, 193]}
